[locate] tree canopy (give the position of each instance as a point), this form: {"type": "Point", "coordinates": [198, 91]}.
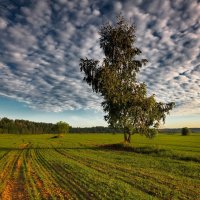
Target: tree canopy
{"type": "Point", "coordinates": [62, 127]}
{"type": "Point", "coordinates": [125, 100]}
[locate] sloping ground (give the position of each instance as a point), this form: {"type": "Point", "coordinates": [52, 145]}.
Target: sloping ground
{"type": "Point", "coordinates": [88, 167]}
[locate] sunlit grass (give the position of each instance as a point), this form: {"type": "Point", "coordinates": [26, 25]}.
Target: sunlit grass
{"type": "Point", "coordinates": [99, 166]}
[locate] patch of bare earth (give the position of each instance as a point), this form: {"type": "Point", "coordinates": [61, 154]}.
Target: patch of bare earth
{"type": "Point", "coordinates": [6, 194]}
{"type": "Point", "coordinates": [23, 146]}
{"type": "Point", "coordinates": [15, 188]}
{"type": "Point", "coordinates": [46, 192]}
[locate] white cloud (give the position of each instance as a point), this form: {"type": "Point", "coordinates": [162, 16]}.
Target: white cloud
{"type": "Point", "coordinates": [3, 23]}
{"type": "Point", "coordinates": [41, 46]}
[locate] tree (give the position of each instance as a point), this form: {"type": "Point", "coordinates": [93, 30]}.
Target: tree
{"type": "Point", "coordinates": [62, 127]}
{"type": "Point", "coordinates": [125, 100]}
{"type": "Point", "coordinates": [185, 131]}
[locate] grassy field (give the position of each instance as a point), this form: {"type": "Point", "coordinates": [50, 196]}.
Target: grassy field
{"type": "Point", "coordinates": [89, 166]}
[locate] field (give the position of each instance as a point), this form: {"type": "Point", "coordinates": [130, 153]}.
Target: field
{"type": "Point", "coordinates": [97, 166]}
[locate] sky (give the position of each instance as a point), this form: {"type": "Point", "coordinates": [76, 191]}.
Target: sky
{"type": "Point", "coordinates": [41, 43]}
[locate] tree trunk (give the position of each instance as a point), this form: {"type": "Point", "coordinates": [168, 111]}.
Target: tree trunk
{"type": "Point", "coordinates": [127, 136]}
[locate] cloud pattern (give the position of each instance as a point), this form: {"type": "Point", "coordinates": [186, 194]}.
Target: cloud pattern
{"type": "Point", "coordinates": [41, 43]}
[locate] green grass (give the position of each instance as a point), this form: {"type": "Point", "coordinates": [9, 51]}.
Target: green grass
{"type": "Point", "coordinates": [99, 166]}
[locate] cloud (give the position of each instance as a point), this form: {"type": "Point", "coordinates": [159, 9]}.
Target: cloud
{"type": "Point", "coordinates": [41, 43]}
{"type": "Point", "coordinates": [40, 56]}
{"type": "Point", "coordinates": [168, 36]}
{"type": "Point", "coordinates": [3, 24]}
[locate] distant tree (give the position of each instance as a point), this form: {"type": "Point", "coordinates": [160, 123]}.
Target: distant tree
{"type": "Point", "coordinates": [125, 99]}
{"type": "Point", "coordinates": [62, 127]}
{"type": "Point", "coordinates": [185, 131]}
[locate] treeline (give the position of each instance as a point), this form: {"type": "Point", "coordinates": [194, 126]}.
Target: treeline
{"type": "Point", "coordinates": [9, 126]}
{"type": "Point", "coordinates": [96, 129]}
{"type": "Point", "coordinates": [178, 130]}
{"type": "Point", "coordinates": [101, 129]}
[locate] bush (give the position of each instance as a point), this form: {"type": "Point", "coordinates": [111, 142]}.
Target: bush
{"type": "Point", "coordinates": [185, 131]}
{"type": "Point", "coordinates": [61, 127]}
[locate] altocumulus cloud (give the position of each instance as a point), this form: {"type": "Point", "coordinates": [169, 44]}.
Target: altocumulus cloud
{"type": "Point", "coordinates": [41, 43]}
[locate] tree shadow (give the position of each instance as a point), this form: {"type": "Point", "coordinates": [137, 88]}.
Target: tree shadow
{"type": "Point", "coordinates": [146, 150]}
{"type": "Point", "coordinates": [149, 150]}
{"type": "Point", "coordinates": [128, 148]}
{"type": "Point", "coordinates": [43, 148]}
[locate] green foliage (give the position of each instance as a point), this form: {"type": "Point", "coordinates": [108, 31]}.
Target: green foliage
{"type": "Point", "coordinates": [62, 127]}
{"type": "Point", "coordinates": [185, 131]}
{"type": "Point", "coordinates": [125, 103]}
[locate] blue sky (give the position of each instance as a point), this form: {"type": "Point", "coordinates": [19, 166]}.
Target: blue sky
{"type": "Point", "coordinates": [41, 43]}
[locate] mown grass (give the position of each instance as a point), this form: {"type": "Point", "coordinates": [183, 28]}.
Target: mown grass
{"type": "Point", "coordinates": [99, 166]}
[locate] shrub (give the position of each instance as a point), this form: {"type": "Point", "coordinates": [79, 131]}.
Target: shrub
{"type": "Point", "coordinates": [61, 127]}
{"type": "Point", "coordinates": [185, 131]}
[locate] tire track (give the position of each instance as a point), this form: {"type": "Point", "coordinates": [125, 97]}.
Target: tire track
{"type": "Point", "coordinates": [103, 175]}
{"type": "Point", "coordinates": [55, 191]}
{"type": "Point", "coordinates": [15, 187]}
{"type": "Point", "coordinates": [9, 162]}
{"type": "Point", "coordinates": [157, 185]}
{"type": "Point", "coordinates": [64, 177]}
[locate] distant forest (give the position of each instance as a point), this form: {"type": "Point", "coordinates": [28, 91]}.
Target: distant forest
{"type": "Point", "coordinates": [101, 129]}
{"type": "Point", "coordinates": [18, 126]}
